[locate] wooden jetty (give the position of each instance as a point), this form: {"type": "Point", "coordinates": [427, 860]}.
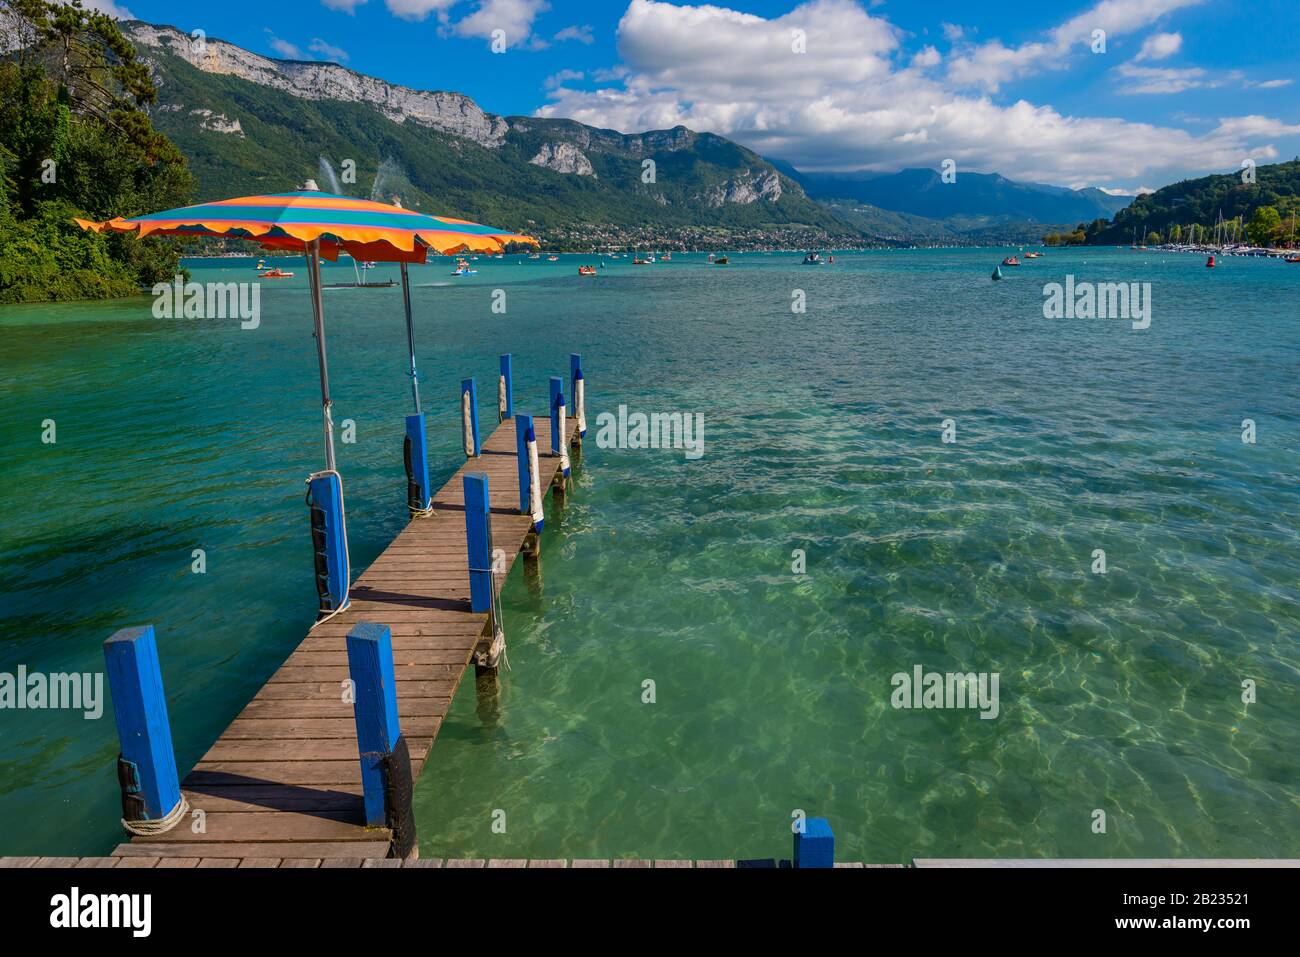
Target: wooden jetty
{"type": "Point", "coordinates": [283, 782]}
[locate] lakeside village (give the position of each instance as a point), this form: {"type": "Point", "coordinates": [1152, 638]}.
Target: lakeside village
{"type": "Point", "coordinates": [609, 239]}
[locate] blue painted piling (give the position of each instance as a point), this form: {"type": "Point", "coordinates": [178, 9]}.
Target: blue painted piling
{"type": "Point", "coordinates": [329, 539]}
{"type": "Point", "coordinates": [557, 400]}
{"type": "Point", "coordinates": [507, 374]}
{"type": "Point", "coordinates": [143, 731]}
{"type": "Point", "coordinates": [524, 425]}
{"type": "Point", "coordinates": [470, 386]}
{"type": "Point", "coordinates": [478, 539]}
{"type": "Point", "coordinates": [575, 373]}
{"type": "Point", "coordinates": [815, 847]}
{"type": "Point", "coordinates": [370, 665]}
{"type": "Point", "coordinates": [417, 463]}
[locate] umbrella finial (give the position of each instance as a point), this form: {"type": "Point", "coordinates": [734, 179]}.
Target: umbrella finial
{"type": "Point", "coordinates": [309, 186]}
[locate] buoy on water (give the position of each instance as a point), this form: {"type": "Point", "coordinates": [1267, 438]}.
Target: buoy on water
{"type": "Point", "coordinates": [1209, 263]}
{"type": "Point", "coordinates": [997, 272]}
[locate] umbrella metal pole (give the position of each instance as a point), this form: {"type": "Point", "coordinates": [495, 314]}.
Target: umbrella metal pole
{"type": "Point", "coordinates": [313, 276]}
{"type": "Point", "coordinates": [410, 338]}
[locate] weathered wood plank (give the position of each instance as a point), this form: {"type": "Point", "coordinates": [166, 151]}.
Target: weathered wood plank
{"type": "Point", "coordinates": [281, 786]}
{"type": "Point", "coordinates": [154, 851]}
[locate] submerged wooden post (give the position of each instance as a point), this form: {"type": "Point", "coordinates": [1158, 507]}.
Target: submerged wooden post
{"type": "Point", "coordinates": [506, 389]}
{"type": "Point", "coordinates": [385, 758]}
{"type": "Point", "coordinates": [478, 538]}
{"type": "Point", "coordinates": [146, 766]}
{"type": "Point", "coordinates": [469, 418]}
{"type": "Point", "coordinates": [815, 845]}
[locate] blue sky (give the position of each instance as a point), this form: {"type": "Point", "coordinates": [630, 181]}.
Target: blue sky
{"type": "Point", "coordinates": [1182, 87]}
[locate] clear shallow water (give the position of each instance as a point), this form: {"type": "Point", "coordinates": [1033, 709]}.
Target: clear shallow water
{"type": "Point", "coordinates": [822, 433]}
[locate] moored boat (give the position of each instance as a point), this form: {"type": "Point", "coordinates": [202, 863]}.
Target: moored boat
{"type": "Point", "coordinates": [1011, 261]}
{"type": "Point", "coordinates": [276, 273]}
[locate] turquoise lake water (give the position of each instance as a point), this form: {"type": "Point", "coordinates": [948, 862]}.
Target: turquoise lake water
{"type": "Point", "coordinates": [822, 430]}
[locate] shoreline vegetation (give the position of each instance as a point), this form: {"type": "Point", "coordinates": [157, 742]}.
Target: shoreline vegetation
{"type": "Point", "coordinates": [75, 141]}
{"type": "Point", "coordinates": [1258, 207]}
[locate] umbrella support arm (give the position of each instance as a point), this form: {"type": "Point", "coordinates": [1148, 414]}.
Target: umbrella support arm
{"type": "Point", "coordinates": [410, 337]}
{"type": "Point", "coordinates": [318, 310]}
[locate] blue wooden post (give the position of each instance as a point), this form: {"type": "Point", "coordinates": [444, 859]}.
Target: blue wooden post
{"type": "Point", "coordinates": [418, 493]}
{"type": "Point", "coordinates": [815, 847]}
{"type": "Point", "coordinates": [576, 376]}
{"type": "Point", "coordinates": [329, 540]}
{"type": "Point", "coordinates": [370, 665]}
{"type": "Point", "coordinates": [524, 425]}
{"type": "Point", "coordinates": [507, 373]}
{"type": "Point", "coordinates": [575, 366]}
{"type": "Point", "coordinates": [143, 731]}
{"type": "Point", "coordinates": [557, 397]}
{"type": "Point", "coordinates": [478, 538]}
{"type": "Point", "coordinates": [471, 387]}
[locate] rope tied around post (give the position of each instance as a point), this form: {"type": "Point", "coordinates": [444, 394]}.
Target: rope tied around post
{"type": "Point", "coordinates": [580, 404]}
{"type": "Point", "coordinates": [467, 425]}
{"type": "Point", "coordinates": [498, 644]}
{"type": "Point", "coordinates": [537, 513]}
{"type": "Point", "coordinates": [133, 810]}
{"type": "Point", "coordinates": [562, 425]}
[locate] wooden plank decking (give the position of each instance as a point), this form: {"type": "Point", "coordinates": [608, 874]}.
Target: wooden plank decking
{"type": "Point", "coordinates": [283, 782]}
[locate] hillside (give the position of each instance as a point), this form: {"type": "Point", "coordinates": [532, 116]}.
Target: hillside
{"type": "Point", "coordinates": [982, 197]}
{"type": "Point", "coordinates": [249, 123]}
{"type": "Point", "coordinates": [1170, 211]}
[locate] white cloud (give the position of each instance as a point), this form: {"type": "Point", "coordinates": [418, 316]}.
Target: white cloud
{"type": "Point", "coordinates": [287, 50]}
{"type": "Point", "coordinates": [109, 7]}
{"type": "Point", "coordinates": [848, 104]}
{"type": "Point", "coordinates": [1163, 80]}
{"type": "Point", "coordinates": [992, 64]}
{"type": "Point", "coordinates": [1160, 45]}
{"type": "Point", "coordinates": [952, 32]}
{"type": "Point", "coordinates": [1271, 84]}
{"type": "Point", "coordinates": [557, 80]}
{"type": "Point", "coordinates": [514, 17]}
{"type": "Point", "coordinates": [327, 50]}
{"type": "Point", "coordinates": [345, 6]}
{"type": "Point", "coordinates": [1255, 126]}
{"type": "Point", "coordinates": [582, 34]}
{"type": "Point", "coordinates": [927, 56]}
{"type": "Point", "coordinates": [418, 9]}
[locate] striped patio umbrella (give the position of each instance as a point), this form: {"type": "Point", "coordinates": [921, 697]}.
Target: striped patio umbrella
{"type": "Point", "coordinates": [323, 225]}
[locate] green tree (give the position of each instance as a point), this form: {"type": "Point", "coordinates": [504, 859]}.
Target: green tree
{"type": "Point", "coordinates": [1266, 221]}
{"type": "Point", "coordinates": [75, 142]}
